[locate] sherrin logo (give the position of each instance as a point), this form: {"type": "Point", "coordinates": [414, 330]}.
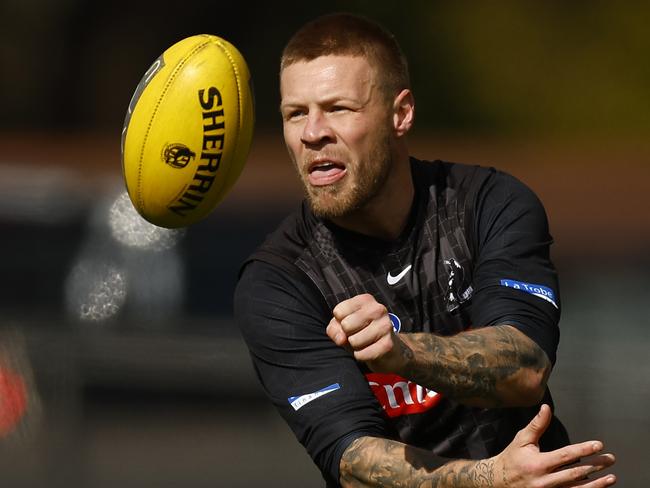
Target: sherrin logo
{"type": "Point", "coordinates": [177, 155]}
{"type": "Point", "coordinates": [399, 396]}
{"type": "Point", "coordinates": [214, 133]}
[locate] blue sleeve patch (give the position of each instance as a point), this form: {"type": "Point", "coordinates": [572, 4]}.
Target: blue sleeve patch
{"type": "Point", "coordinates": [297, 402]}
{"type": "Point", "coordinates": [540, 291]}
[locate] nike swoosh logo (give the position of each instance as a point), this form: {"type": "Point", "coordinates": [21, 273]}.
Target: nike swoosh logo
{"type": "Point", "coordinates": [394, 279]}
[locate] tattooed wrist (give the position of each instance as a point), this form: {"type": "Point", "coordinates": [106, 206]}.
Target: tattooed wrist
{"type": "Point", "coordinates": [376, 462]}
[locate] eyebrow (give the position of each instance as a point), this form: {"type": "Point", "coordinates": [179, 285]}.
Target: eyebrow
{"type": "Point", "coordinates": [331, 100]}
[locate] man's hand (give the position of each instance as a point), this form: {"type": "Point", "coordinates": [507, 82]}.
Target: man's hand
{"type": "Point", "coordinates": [497, 366]}
{"type": "Point", "coordinates": [363, 325]}
{"type": "Point", "coordinates": [522, 465]}
{"type": "Point", "coordinates": [376, 462]}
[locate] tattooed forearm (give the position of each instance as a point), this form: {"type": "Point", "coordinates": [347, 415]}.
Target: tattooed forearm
{"type": "Point", "coordinates": [492, 366]}
{"type": "Point", "coordinates": [375, 462]}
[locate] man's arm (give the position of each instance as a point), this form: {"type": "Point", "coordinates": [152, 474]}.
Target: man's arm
{"type": "Point", "coordinates": [494, 366]}
{"type": "Point", "coordinates": [490, 367]}
{"type": "Point", "coordinates": [376, 462]}
{"type": "Point", "coordinates": [317, 387]}
{"type": "Point", "coordinates": [372, 461]}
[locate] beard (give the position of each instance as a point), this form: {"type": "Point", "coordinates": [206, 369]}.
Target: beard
{"type": "Point", "coordinates": [362, 183]}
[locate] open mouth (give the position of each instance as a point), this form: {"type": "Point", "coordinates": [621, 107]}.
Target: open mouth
{"type": "Point", "coordinates": [325, 172]}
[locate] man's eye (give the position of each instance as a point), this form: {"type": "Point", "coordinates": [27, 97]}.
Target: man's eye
{"type": "Point", "coordinates": [338, 108]}
{"type": "Point", "coordinates": [295, 114]}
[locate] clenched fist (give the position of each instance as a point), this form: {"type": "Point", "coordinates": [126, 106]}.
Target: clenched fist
{"type": "Point", "coordinates": [362, 325]}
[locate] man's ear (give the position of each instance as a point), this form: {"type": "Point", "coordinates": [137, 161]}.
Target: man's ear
{"type": "Point", "coordinates": [403, 112]}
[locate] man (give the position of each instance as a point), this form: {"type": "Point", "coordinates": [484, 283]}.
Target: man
{"type": "Point", "coordinates": [404, 320]}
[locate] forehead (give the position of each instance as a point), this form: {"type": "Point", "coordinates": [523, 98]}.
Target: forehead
{"type": "Point", "coordinates": [326, 77]}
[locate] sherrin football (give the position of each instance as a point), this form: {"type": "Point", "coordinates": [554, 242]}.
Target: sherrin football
{"type": "Point", "coordinates": [188, 131]}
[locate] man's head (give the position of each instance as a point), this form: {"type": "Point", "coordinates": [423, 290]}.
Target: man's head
{"type": "Point", "coordinates": [346, 105]}
{"type": "Point", "coordinates": [350, 35]}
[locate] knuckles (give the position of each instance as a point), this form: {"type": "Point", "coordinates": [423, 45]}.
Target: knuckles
{"type": "Point", "coordinates": [565, 457]}
{"type": "Point", "coordinates": [358, 312]}
{"type": "Point", "coordinates": [363, 313]}
{"type": "Point", "coordinates": [365, 297]}
{"type": "Point", "coordinates": [385, 327]}
{"type": "Point", "coordinates": [534, 467]}
{"type": "Point", "coordinates": [332, 328]}
{"type": "Point", "coordinates": [377, 310]}
{"type": "Point", "coordinates": [580, 472]}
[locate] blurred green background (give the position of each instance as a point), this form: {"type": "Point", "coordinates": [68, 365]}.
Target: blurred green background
{"type": "Point", "coordinates": [507, 67]}
{"type": "Point", "coordinates": [135, 373]}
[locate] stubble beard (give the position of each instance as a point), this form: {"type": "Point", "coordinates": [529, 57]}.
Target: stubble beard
{"type": "Point", "coordinates": [356, 189]}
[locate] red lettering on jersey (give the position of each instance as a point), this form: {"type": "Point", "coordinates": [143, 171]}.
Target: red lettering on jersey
{"type": "Point", "coordinates": [399, 396]}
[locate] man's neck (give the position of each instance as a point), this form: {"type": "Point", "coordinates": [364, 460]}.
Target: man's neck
{"type": "Point", "coordinates": [386, 215]}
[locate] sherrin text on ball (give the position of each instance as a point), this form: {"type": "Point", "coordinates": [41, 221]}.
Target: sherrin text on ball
{"type": "Point", "coordinates": [188, 131]}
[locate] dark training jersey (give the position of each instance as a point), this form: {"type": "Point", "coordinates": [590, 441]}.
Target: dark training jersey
{"type": "Point", "coordinates": [474, 253]}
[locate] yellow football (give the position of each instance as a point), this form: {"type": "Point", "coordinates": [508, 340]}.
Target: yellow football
{"type": "Point", "coordinates": [188, 131]}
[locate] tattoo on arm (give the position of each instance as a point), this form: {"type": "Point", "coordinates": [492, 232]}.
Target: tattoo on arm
{"type": "Point", "coordinates": [376, 462]}
{"type": "Point", "coordinates": [487, 367]}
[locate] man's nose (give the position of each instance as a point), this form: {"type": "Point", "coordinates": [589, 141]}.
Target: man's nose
{"type": "Point", "coordinates": [316, 130]}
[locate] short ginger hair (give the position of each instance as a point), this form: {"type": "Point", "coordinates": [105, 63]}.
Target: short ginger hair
{"type": "Point", "coordinates": [347, 34]}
